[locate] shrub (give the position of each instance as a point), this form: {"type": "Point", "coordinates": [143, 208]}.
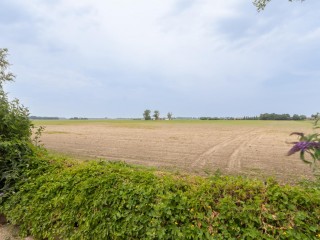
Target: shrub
{"type": "Point", "coordinates": [116, 201]}
{"type": "Point", "coordinates": [16, 148]}
{"type": "Point", "coordinates": [309, 144]}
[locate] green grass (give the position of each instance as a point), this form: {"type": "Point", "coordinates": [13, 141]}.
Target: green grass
{"type": "Point", "coordinates": [129, 123]}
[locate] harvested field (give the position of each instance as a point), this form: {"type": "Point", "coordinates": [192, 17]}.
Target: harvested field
{"type": "Point", "coordinates": [254, 148]}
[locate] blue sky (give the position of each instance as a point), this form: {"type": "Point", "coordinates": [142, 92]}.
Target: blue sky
{"type": "Point", "coordinates": [115, 58]}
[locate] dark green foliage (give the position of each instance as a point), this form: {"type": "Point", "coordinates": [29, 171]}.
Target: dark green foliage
{"type": "Point", "coordinates": [265, 116]}
{"type": "Point", "coordinates": [16, 148]}
{"type": "Point", "coordinates": [43, 118]}
{"type": "Point", "coordinates": [14, 120]}
{"type": "Point", "coordinates": [156, 115]}
{"type": "Point", "coordinates": [14, 155]}
{"type": "Point", "coordinates": [115, 201]}
{"type": "Point", "coordinates": [146, 114]}
{"type": "Point", "coordinates": [229, 118]}
{"type": "Point", "coordinates": [274, 116]}
{"type": "Point", "coordinates": [298, 117]}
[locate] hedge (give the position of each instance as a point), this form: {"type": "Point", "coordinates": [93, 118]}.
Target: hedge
{"type": "Point", "coordinates": [109, 200]}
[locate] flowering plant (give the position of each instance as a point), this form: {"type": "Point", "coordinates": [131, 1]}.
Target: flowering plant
{"type": "Point", "coordinates": [309, 144]}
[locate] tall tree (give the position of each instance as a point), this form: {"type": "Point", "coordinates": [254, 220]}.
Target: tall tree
{"type": "Point", "coordinates": [5, 75]}
{"type": "Point", "coordinates": [156, 115]}
{"type": "Point", "coordinates": [146, 114]}
{"type": "Point", "coordinates": [14, 118]}
{"type": "Point", "coordinates": [169, 115]}
{"type": "Point", "coordinates": [16, 148]}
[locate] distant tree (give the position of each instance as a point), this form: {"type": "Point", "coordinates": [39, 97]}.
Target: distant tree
{"type": "Point", "coordinates": [78, 118]}
{"type": "Point", "coordinates": [261, 4]}
{"type": "Point", "coordinates": [303, 117]}
{"type": "Point", "coordinates": [315, 116]}
{"type": "Point", "coordinates": [43, 118]}
{"type": "Point", "coordinates": [169, 115]}
{"type": "Point", "coordinates": [146, 114]}
{"type": "Point", "coordinates": [156, 115]}
{"type": "Point", "coordinates": [274, 116]}
{"type": "Point", "coordinates": [295, 117]}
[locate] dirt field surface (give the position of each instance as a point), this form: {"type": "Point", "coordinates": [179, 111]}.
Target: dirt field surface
{"type": "Point", "coordinates": [10, 232]}
{"type": "Point", "coordinates": [254, 148]}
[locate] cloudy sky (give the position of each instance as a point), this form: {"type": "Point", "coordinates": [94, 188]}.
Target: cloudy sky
{"type": "Point", "coordinates": [116, 58]}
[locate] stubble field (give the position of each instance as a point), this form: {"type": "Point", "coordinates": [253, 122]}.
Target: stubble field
{"type": "Point", "coordinates": [253, 148]}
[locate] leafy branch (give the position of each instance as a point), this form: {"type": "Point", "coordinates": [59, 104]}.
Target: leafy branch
{"type": "Point", "coordinates": [261, 4]}
{"type": "Point", "coordinates": [309, 144]}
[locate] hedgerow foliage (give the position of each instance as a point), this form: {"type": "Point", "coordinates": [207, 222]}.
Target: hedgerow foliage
{"type": "Point", "coordinates": [16, 148]}
{"type": "Point", "coordinates": [116, 201]}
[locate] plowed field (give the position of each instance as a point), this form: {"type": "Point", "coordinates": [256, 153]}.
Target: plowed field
{"type": "Point", "coordinates": [255, 148]}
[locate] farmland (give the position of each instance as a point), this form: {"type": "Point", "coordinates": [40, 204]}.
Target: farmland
{"type": "Point", "coordinates": [253, 148]}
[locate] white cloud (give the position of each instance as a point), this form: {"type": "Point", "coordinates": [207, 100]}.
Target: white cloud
{"type": "Point", "coordinates": [188, 48]}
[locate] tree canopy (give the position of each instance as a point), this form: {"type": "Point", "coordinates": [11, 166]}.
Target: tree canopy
{"type": "Point", "coordinates": [5, 76]}
{"type": "Point", "coordinates": [156, 115]}
{"type": "Point", "coordinates": [16, 147]}
{"type": "Point", "coordinates": [146, 114]}
{"type": "Point", "coordinates": [261, 4]}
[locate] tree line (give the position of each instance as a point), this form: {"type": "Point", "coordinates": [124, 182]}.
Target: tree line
{"type": "Point", "coordinates": [273, 116]}
{"type": "Point", "coordinates": [156, 115]}
{"type": "Point", "coordinates": [264, 116]}
{"type": "Point", "coordinates": [43, 118]}
{"type": "Point", "coordinates": [230, 118]}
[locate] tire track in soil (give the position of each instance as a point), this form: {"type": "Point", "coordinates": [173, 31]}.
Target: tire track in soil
{"type": "Point", "coordinates": [201, 161]}
{"type": "Point", "coordinates": [234, 163]}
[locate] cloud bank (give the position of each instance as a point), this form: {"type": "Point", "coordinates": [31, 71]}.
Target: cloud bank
{"type": "Point", "coordinates": [193, 58]}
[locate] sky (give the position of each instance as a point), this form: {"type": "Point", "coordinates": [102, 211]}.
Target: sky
{"type": "Point", "coordinates": [116, 58]}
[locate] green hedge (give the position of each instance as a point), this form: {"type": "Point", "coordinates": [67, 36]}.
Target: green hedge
{"type": "Point", "coordinates": [116, 201]}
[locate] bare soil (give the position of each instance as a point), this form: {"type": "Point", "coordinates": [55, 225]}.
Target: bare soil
{"type": "Point", "coordinates": [254, 149]}
{"type": "Point", "coordinates": [11, 232]}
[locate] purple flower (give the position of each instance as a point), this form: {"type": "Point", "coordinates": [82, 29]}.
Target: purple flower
{"type": "Point", "coordinates": [303, 146]}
